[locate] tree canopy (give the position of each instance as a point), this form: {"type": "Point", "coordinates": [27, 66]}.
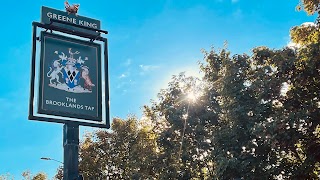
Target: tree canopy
{"type": "Point", "coordinates": [249, 117]}
{"type": "Point", "coordinates": [26, 175]}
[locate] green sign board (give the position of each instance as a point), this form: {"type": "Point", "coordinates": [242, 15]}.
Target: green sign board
{"type": "Point", "coordinates": [70, 78]}
{"type": "Point", "coordinates": [49, 13]}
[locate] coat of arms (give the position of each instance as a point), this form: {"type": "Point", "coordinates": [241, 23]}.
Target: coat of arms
{"type": "Point", "coordinates": [73, 72]}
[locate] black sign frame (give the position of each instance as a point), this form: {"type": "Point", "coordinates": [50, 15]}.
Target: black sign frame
{"type": "Point", "coordinates": [65, 118]}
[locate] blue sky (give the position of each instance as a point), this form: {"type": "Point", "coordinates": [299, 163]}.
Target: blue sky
{"type": "Point", "coordinates": [149, 41]}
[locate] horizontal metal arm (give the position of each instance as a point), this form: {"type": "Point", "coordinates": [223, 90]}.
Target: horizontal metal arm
{"type": "Point", "coordinates": [68, 31]}
{"type": "Point", "coordinates": [77, 25]}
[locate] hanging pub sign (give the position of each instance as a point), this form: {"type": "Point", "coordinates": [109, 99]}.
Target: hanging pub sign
{"type": "Point", "coordinates": [69, 82]}
{"type": "Point", "coordinates": [70, 78]}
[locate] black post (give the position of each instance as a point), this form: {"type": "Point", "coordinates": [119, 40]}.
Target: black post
{"type": "Point", "coordinates": [71, 151]}
{"type": "Point", "coordinates": [33, 69]}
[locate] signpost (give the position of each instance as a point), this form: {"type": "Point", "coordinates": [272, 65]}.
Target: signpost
{"type": "Point", "coordinates": [70, 85]}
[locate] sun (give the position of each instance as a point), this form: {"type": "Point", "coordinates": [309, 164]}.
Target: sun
{"type": "Point", "coordinates": [192, 96]}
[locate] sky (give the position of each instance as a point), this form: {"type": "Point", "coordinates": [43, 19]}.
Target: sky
{"type": "Point", "coordinates": [149, 41]}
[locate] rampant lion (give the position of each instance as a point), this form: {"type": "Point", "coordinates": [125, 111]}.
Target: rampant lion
{"type": "Point", "coordinates": [54, 72]}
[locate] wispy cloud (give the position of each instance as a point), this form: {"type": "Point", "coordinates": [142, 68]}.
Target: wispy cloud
{"type": "Point", "coordinates": [125, 86]}
{"type": "Point", "coordinates": [127, 68]}
{"type": "Point", "coordinates": [234, 1]}
{"type": "Point", "coordinates": [146, 68]}
{"type": "Point", "coordinates": [122, 76]}
{"type": "Point", "coordinates": [125, 74]}
{"type": "Point", "coordinates": [127, 62]}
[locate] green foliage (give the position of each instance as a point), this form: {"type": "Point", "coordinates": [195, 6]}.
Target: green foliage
{"type": "Point", "coordinates": [59, 174]}
{"type": "Point", "coordinates": [27, 175]}
{"type": "Point", "coordinates": [251, 112]}
{"type": "Point", "coordinates": [185, 129]}
{"type": "Point", "coordinates": [249, 117]}
{"type": "Point", "coordinates": [6, 177]}
{"type": "Point", "coordinates": [310, 6]}
{"type": "Point", "coordinates": [40, 176]}
{"type": "Point", "coordinates": [233, 137]}
{"type": "Point", "coordinates": [305, 34]}
{"type": "Point", "coordinates": [303, 108]}
{"type": "Point", "coordinates": [128, 152]}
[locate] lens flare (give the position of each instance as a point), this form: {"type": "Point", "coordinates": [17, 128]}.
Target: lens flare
{"type": "Point", "coordinates": [192, 96]}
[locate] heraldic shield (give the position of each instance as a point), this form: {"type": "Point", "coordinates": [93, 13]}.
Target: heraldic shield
{"type": "Point", "coordinates": [74, 73]}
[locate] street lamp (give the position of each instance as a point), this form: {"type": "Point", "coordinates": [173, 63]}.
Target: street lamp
{"type": "Point", "coordinates": [50, 159]}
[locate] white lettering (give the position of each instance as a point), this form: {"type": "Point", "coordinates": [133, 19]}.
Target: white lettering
{"type": "Point", "coordinates": [69, 19]}
{"type": "Point", "coordinates": [89, 108]}
{"type": "Point", "coordinates": [74, 100]}
{"type": "Point", "coordinates": [48, 102]}
{"type": "Point", "coordinates": [87, 24]}
{"type": "Point", "coordinates": [49, 15]}
{"type": "Point", "coordinates": [72, 104]}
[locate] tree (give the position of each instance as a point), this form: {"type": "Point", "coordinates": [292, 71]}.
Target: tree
{"type": "Point", "coordinates": [128, 152]}
{"type": "Point", "coordinates": [184, 124]}
{"type": "Point", "coordinates": [250, 117]}
{"type": "Point", "coordinates": [256, 97]}
{"type": "Point", "coordinates": [238, 83]}
{"type": "Point", "coordinates": [302, 111]}
{"type": "Point", "coordinates": [6, 177]}
{"type": "Point", "coordinates": [59, 174]}
{"type": "Point", "coordinates": [307, 33]}
{"type": "Point", "coordinates": [270, 109]}
{"type": "Point", "coordinates": [310, 6]}
{"type": "Point", "coordinates": [40, 176]}
{"type": "Point", "coordinates": [27, 175]}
